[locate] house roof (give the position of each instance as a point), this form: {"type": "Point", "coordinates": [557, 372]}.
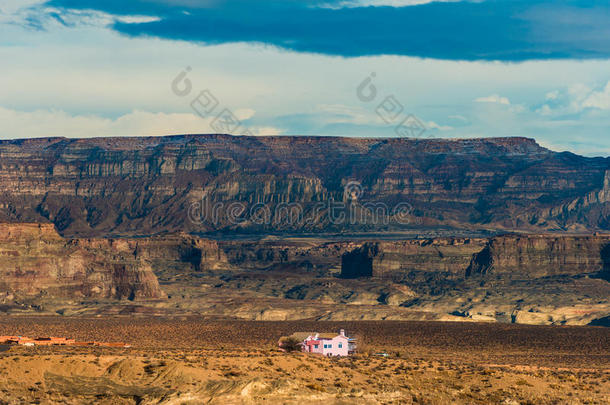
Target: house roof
{"type": "Point", "coordinates": [299, 335]}
{"type": "Point", "coordinates": [328, 335]}
{"type": "Point", "coordinates": [304, 335]}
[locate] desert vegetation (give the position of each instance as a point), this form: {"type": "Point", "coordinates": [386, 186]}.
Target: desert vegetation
{"type": "Point", "coordinates": [197, 360]}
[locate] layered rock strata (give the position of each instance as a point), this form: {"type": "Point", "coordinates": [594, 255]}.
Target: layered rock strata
{"type": "Point", "coordinates": [513, 256]}
{"type": "Point", "coordinates": [210, 183]}
{"type": "Point", "coordinates": [36, 261]}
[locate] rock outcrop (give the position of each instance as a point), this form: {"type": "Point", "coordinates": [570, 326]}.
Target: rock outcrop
{"type": "Point", "coordinates": [448, 256]}
{"type": "Point", "coordinates": [210, 183]}
{"type": "Point", "coordinates": [513, 256]}
{"type": "Point", "coordinates": [545, 279]}
{"type": "Point", "coordinates": [533, 256]}
{"type": "Point", "coordinates": [36, 261]}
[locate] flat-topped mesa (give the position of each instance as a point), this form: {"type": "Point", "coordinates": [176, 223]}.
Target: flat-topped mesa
{"type": "Point", "coordinates": [513, 256]}
{"type": "Point", "coordinates": [35, 260]}
{"type": "Point", "coordinates": [33, 231]}
{"type": "Point", "coordinates": [144, 186]}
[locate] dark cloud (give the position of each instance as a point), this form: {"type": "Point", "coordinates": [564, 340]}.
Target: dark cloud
{"type": "Point", "coordinates": [491, 30]}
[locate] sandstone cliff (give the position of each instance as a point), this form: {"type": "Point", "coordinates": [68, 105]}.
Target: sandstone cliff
{"type": "Point", "coordinates": [209, 183]}
{"type": "Point", "coordinates": [520, 256]}
{"type": "Point", "coordinates": [543, 255]}
{"type": "Point", "coordinates": [439, 255]}
{"type": "Point", "coordinates": [36, 261]}
{"type": "Point", "coordinates": [546, 279]}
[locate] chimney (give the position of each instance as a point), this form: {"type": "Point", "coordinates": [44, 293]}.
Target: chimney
{"type": "Point", "coordinates": [342, 332]}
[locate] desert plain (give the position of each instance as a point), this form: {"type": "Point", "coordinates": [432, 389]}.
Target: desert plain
{"type": "Point", "coordinates": [195, 360]}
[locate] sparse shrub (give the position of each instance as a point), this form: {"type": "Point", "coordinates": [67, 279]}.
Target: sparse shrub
{"type": "Point", "coordinates": [315, 387]}
{"type": "Point", "coordinates": [291, 344]}
{"type": "Point", "coordinates": [523, 382]}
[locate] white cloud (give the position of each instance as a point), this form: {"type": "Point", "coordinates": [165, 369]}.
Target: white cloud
{"type": "Point", "coordinates": [244, 113]}
{"type": "Point", "coordinates": [137, 19]}
{"type": "Point", "coordinates": [34, 14]}
{"type": "Point", "coordinates": [12, 6]}
{"type": "Point", "coordinates": [458, 118]}
{"type": "Point", "coordinates": [518, 108]}
{"type": "Point", "coordinates": [544, 110]}
{"type": "Point", "coordinates": [552, 95]}
{"type": "Point", "coordinates": [379, 3]}
{"type": "Point", "coordinates": [577, 98]}
{"type": "Point", "coordinates": [494, 98]}
{"type": "Point", "coordinates": [17, 11]}
{"type": "Point", "coordinates": [434, 125]}
{"type": "Point", "coordinates": [266, 131]}
{"type": "Point", "coordinates": [44, 123]}
{"type": "Point", "coordinates": [339, 113]}
{"type": "Point", "coordinates": [598, 99]}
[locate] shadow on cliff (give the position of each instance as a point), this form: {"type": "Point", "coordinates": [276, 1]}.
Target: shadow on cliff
{"type": "Point", "coordinates": [601, 322]}
{"type": "Point", "coordinates": [604, 274]}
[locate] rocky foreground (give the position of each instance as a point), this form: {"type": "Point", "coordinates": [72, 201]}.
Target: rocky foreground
{"type": "Point", "coordinates": [531, 279]}
{"type": "Point", "coordinates": [194, 361]}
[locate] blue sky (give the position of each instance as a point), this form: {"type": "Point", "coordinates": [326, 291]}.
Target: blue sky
{"type": "Point", "coordinates": [464, 68]}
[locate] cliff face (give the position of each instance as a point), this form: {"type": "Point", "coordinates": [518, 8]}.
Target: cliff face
{"type": "Point", "coordinates": [523, 256]}
{"type": "Point", "coordinates": [525, 278]}
{"type": "Point", "coordinates": [384, 259]}
{"type": "Point", "coordinates": [36, 261]}
{"type": "Point", "coordinates": [141, 186]}
{"type": "Point", "coordinates": [543, 255]}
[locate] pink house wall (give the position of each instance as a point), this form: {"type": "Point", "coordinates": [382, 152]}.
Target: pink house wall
{"type": "Point", "coordinates": [338, 346]}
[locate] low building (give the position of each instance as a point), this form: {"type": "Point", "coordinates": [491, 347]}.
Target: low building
{"type": "Point", "coordinates": [54, 341]}
{"type": "Point", "coordinates": [326, 344]}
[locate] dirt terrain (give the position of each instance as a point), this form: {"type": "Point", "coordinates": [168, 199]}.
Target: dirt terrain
{"type": "Point", "coordinates": [197, 360]}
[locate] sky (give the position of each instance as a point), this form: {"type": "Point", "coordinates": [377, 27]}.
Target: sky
{"type": "Point", "coordinates": [363, 68]}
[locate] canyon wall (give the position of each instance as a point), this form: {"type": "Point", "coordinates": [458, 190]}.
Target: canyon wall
{"type": "Point", "coordinates": [512, 278]}
{"type": "Point", "coordinates": [36, 261]}
{"type": "Point", "coordinates": [121, 187]}
{"type": "Point", "coordinates": [542, 256]}
{"type": "Point", "coordinates": [517, 256]}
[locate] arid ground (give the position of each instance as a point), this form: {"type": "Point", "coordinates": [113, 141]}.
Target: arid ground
{"type": "Point", "coordinates": [196, 360]}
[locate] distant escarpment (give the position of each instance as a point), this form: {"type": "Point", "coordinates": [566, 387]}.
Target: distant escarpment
{"type": "Point", "coordinates": [512, 256]}
{"type": "Point", "coordinates": [288, 185]}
